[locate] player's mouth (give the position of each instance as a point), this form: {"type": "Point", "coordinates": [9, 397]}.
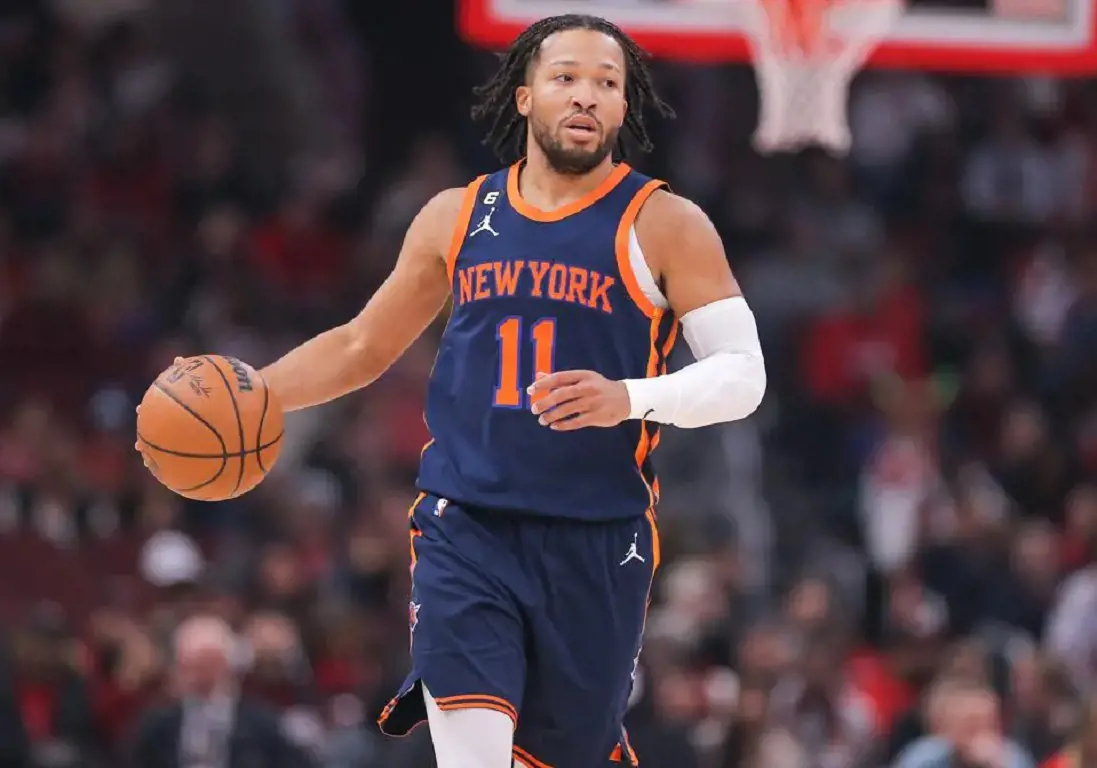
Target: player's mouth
{"type": "Point", "coordinates": [581, 127]}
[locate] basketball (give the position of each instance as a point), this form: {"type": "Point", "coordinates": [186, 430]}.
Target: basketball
{"type": "Point", "coordinates": [209, 428]}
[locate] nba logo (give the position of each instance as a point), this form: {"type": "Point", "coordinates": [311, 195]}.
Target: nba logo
{"type": "Point", "coordinates": [440, 507]}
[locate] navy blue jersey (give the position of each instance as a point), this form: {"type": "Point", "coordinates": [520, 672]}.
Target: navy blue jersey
{"type": "Point", "coordinates": [543, 291]}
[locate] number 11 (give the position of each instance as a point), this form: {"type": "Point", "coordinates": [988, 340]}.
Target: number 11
{"type": "Point", "coordinates": [508, 392]}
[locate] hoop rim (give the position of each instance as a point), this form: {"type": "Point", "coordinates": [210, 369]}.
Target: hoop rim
{"type": "Point", "coordinates": [804, 24]}
{"type": "Point", "coordinates": [478, 26]}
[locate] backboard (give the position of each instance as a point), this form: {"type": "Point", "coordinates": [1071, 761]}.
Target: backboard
{"type": "Point", "coordinates": [981, 36]}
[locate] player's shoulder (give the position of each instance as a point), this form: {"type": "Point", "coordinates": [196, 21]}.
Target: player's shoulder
{"type": "Point", "coordinates": [442, 215]}
{"type": "Point", "coordinates": [670, 219]}
{"type": "Point", "coordinates": [666, 207]}
{"type": "Point", "coordinates": [449, 205]}
{"type": "Point", "coordinates": [445, 206]}
{"type": "Point", "coordinates": [436, 220]}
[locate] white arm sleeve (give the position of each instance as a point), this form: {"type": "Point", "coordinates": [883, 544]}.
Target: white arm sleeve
{"type": "Point", "coordinates": [725, 384]}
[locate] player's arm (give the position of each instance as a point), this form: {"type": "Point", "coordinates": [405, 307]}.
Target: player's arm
{"type": "Point", "coordinates": [728, 379]}
{"type": "Point", "coordinates": [353, 355]}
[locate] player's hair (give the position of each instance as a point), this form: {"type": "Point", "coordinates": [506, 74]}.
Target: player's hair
{"type": "Point", "coordinates": [507, 135]}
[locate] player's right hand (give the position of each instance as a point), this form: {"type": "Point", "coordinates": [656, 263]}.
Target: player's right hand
{"type": "Point", "coordinates": [570, 400]}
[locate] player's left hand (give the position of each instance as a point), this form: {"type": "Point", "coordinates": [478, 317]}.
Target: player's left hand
{"type": "Point", "coordinates": [570, 400]}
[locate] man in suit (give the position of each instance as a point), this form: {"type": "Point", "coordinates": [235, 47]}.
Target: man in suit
{"type": "Point", "coordinates": [967, 732]}
{"type": "Point", "coordinates": [210, 725]}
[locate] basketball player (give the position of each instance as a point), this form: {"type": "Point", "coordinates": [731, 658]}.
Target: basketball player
{"type": "Point", "coordinates": [533, 540]}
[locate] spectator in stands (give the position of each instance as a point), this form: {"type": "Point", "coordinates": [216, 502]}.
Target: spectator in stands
{"type": "Point", "coordinates": [211, 725]}
{"type": "Point", "coordinates": [1045, 708]}
{"type": "Point", "coordinates": [1082, 750]}
{"type": "Point", "coordinates": [52, 697]}
{"type": "Point", "coordinates": [967, 733]}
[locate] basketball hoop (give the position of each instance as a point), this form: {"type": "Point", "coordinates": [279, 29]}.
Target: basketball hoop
{"type": "Point", "coordinates": [806, 53]}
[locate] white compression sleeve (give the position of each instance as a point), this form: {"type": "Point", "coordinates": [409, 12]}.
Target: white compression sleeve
{"type": "Point", "coordinates": [725, 384]}
{"type": "Point", "coordinates": [469, 738]}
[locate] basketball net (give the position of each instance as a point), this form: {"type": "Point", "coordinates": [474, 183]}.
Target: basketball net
{"type": "Point", "coordinates": [806, 53]}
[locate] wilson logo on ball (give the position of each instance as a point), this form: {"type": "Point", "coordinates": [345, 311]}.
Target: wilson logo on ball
{"type": "Point", "coordinates": [243, 378]}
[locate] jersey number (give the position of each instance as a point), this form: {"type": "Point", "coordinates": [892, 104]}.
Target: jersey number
{"type": "Point", "coordinates": [509, 392]}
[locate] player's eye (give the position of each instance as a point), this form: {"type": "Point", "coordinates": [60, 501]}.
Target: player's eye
{"type": "Point", "coordinates": [611, 83]}
{"type": "Point", "coordinates": [563, 78]}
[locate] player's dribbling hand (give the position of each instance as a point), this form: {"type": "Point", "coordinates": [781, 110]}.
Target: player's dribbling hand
{"type": "Point", "coordinates": [570, 400]}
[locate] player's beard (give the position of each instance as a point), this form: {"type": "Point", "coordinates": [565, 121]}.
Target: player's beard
{"type": "Point", "coordinates": [571, 161]}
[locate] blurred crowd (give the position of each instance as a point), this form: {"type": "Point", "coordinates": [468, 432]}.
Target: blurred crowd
{"type": "Point", "coordinates": [893, 563]}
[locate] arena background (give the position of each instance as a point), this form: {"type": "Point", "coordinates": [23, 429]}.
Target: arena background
{"type": "Point", "coordinates": [914, 502]}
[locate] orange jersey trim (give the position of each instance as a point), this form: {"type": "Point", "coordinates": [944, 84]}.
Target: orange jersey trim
{"type": "Point", "coordinates": [668, 345]}
{"type": "Point", "coordinates": [413, 532]}
{"type": "Point", "coordinates": [657, 365]}
{"type": "Point", "coordinates": [624, 265]}
{"type": "Point", "coordinates": [479, 701]}
{"type": "Point", "coordinates": [387, 711]}
{"type": "Point", "coordinates": [644, 446]}
{"type": "Point", "coordinates": [450, 703]}
{"type": "Point", "coordinates": [528, 759]}
{"type": "Point", "coordinates": [656, 547]}
{"type": "Point", "coordinates": [518, 203]}
{"type": "Point", "coordinates": [461, 226]}
{"type": "Point", "coordinates": [617, 754]}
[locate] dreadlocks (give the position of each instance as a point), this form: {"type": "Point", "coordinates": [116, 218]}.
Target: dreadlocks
{"type": "Point", "coordinates": [507, 135]}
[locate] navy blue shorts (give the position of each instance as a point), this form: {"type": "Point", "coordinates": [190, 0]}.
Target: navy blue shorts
{"type": "Point", "coordinates": [538, 618]}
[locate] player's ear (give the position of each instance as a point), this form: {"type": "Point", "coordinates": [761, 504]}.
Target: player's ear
{"type": "Point", "coordinates": [523, 99]}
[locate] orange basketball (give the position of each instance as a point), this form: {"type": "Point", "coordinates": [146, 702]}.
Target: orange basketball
{"type": "Point", "coordinates": [209, 429]}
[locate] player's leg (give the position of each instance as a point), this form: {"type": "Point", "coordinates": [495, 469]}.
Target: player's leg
{"type": "Point", "coordinates": [469, 738]}
{"type": "Point", "coordinates": [587, 628]}
{"type": "Point", "coordinates": [467, 633]}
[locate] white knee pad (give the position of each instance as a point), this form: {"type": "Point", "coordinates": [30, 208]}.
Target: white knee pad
{"type": "Point", "coordinates": [470, 738]}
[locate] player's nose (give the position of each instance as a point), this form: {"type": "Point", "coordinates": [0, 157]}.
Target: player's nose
{"type": "Point", "coordinates": [583, 97]}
